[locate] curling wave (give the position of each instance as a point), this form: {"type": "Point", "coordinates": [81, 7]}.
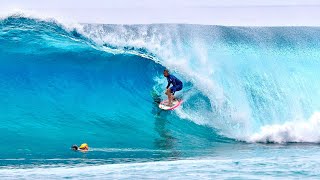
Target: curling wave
{"type": "Point", "coordinates": [105, 81]}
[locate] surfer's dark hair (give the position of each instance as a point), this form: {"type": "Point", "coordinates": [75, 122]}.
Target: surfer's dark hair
{"type": "Point", "coordinates": [166, 70]}
{"type": "Point", "coordinates": [74, 147]}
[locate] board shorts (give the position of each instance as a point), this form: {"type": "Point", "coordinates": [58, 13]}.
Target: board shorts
{"type": "Point", "coordinates": [173, 89]}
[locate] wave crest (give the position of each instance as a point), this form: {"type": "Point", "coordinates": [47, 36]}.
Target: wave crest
{"type": "Point", "coordinates": [292, 131]}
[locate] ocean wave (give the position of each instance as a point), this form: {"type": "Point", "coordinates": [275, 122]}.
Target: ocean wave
{"type": "Point", "coordinates": [238, 79]}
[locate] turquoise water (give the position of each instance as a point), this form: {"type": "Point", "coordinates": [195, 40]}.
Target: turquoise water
{"type": "Point", "coordinates": [250, 110]}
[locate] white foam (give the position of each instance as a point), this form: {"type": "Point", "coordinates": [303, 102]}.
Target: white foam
{"type": "Point", "coordinates": [292, 131]}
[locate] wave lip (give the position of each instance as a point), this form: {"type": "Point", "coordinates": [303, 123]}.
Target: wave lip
{"type": "Point", "coordinates": [293, 131]}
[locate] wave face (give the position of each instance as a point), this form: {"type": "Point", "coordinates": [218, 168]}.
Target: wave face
{"type": "Point", "coordinates": [243, 80]}
{"type": "Point", "coordinates": [101, 84]}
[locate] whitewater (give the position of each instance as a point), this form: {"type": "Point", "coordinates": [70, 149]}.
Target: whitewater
{"type": "Point", "coordinates": [251, 100]}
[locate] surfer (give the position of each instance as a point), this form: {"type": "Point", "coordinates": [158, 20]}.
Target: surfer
{"type": "Point", "coordinates": [176, 86]}
{"type": "Point", "coordinates": [83, 147]}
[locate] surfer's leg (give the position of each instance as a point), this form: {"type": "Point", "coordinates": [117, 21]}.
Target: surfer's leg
{"type": "Point", "coordinates": [172, 97]}
{"type": "Point", "coordinates": [171, 93]}
{"type": "Point", "coordinates": [168, 93]}
{"type": "Point", "coordinates": [174, 90]}
{"type": "Point", "coordinates": [169, 97]}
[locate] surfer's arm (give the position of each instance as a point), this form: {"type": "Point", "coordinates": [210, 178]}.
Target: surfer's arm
{"type": "Point", "coordinates": [174, 82]}
{"type": "Point", "coordinates": [168, 85]}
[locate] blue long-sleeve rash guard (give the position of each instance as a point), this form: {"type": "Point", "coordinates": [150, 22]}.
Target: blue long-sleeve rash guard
{"type": "Point", "coordinates": [173, 80]}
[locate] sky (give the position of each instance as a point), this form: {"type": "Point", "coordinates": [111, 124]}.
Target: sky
{"type": "Point", "coordinates": [151, 4]}
{"type": "Point", "coordinates": [217, 12]}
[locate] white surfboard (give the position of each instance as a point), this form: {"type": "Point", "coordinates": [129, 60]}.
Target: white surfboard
{"type": "Point", "coordinates": [175, 103]}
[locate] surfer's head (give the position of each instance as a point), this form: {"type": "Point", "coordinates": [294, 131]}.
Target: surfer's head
{"type": "Point", "coordinates": [166, 73]}
{"type": "Point", "coordinates": [74, 147]}
{"type": "Point", "coordinates": [84, 146]}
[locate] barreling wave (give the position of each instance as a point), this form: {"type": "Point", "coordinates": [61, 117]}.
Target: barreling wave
{"type": "Point", "coordinates": [248, 84]}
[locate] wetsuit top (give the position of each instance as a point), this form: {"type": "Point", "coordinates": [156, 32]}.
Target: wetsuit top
{"type": "Point", "coordinates": [173, 80]}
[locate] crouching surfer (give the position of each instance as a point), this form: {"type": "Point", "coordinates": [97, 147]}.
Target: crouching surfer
{"type": "Point", "coordinates": [176, 86]}
{"type": "Point", "coordinates": [82, 147]}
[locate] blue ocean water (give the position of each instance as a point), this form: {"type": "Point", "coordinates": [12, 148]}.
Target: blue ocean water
{"type": "Point", "coordinates": [251, 101]}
